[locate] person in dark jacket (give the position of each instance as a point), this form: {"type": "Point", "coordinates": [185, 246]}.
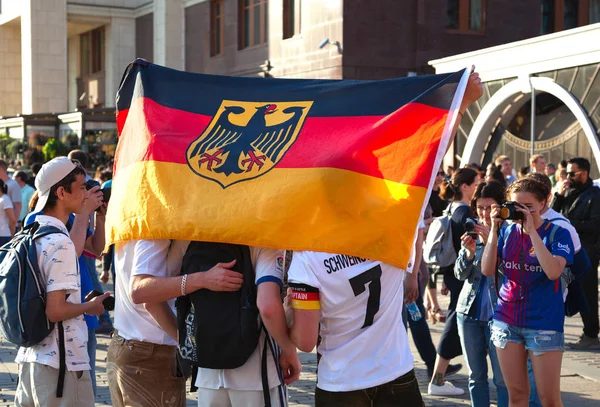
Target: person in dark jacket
{"type": "Point", "coordinates": [579, 200]}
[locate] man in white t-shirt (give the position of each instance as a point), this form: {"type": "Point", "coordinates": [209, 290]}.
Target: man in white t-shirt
{"type": "Point", "coordinates": [14, 191]}
{"type": "Point", "coordinates": [61, 186]}
{"type": "Point", "coordinates": [365, 356]}
{"type": "Point", "coordinates": [147, 284]}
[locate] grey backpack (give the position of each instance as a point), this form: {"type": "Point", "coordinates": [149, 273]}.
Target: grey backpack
{"type": "Point", "coordinates": [438, 248]}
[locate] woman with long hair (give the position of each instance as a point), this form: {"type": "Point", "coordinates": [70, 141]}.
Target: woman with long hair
{"type": "Point", "coordinates": [477, 299]}
{"type": "Point", "coordinates": [8, 220]}
{"type": "Point", "coordinates": [529, 318]}
{"type": "Point", "coordinates": [460, 190]}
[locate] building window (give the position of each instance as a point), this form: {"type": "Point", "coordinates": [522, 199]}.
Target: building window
{"type": "Point", "coordinates": [465, 15]}
{"type": "Point", "coordinates": [558, 15]}
{"type": "Point", "coordinates": [92, 51]}
{"type": "Point", "coordinates": [594, 12]}
{"type": "Point", "coordinates": [291, 18]}
{"type": "Point", "coordinates": [253, 22]}
{"type": "Point", "coordinates": [216, 27]}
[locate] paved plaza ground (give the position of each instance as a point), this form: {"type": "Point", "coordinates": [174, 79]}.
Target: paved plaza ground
{"type": "Point", "coordinates": [580, 382]}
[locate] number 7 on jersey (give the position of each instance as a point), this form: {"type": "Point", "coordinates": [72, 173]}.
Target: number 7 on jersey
{"type": "Point", "coordinates": [359, 285]}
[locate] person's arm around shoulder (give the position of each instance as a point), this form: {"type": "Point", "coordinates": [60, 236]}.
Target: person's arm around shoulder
{"type": "Point", "coordinates": [151, 284]}
{"type": "Point", "coordinates": [490, 256]}
{"type": "Point", "coordinates": [306, 305]}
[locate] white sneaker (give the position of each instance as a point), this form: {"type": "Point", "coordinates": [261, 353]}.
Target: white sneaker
{"type": "Point", "coordinates": [447, 389]}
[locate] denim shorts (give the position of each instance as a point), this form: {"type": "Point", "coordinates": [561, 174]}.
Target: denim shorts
{"type": "Point", "coordinates": [538, 341]}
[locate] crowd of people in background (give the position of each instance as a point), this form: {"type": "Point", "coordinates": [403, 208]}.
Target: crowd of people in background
{"type": "Point", "coordinates": [500, 314]}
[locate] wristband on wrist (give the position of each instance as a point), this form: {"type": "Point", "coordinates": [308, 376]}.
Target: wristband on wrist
{"type": "Point", "coordinates": [183, 281]}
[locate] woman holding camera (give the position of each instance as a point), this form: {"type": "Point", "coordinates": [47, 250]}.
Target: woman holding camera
{"type": "Point", "coordinates": [478, 299]}
{"type": "Point", "coordinates": [460, 189]}
{"type": "Point", "coordinates": [529, 317]}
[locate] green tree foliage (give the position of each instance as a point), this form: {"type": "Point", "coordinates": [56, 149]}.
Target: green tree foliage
{"type": "Point", "coordinates": [5, 140]}
{"type": "Point", "coordinates": [53, 148]}
{"type": "Point", "coordinates": [15, 147]}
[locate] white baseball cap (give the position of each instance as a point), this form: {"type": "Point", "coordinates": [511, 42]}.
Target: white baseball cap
{"type": "Point", "coordinates": [51, 174]}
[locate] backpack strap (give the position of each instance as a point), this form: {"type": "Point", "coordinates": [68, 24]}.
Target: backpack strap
{"type": "Point", "coordinates": [47, 230]}
{"type": "Point", "coordinates": [193, 387]}
{"type": "Point", "coordinates": [62, 367]}
{"type": "Point", "coordinates": [553, 230]}
{"type": "Point", "coordinates": [264, 371]}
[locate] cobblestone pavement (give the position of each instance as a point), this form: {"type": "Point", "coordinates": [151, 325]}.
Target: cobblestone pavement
{"type": "Point", "coordinates": [580, 383]}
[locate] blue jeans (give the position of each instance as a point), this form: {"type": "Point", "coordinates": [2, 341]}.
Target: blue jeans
{"type": "Point", "coordinates": [91, 348]}
{"type": "Point", "coordinates": [475, 341]}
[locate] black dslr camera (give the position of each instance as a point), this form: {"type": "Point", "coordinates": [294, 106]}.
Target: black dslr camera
{"type": "Point", "coordinates": [470, 228]}
{"type": "Point", "coordinates": [509, 211]}
{"type": "Point", "coordinates": [89, 184]}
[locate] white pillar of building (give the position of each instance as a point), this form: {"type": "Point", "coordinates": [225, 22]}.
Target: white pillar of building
{"type": "Point", "coordinates": [10, 69]}
{"type": "Point", "coordinates": [44, 56]}
{"type": "Point", "coordinates": [169, 17]}
{"type": "Point", "coordinates": [119, 52]}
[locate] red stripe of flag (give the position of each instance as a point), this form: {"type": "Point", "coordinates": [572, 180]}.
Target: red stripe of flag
{"type": "Point", "coordinates": [381, 147]}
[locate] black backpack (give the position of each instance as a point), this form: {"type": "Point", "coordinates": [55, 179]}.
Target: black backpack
{"type": "Point", "coordinates": [221, 330]}
{"type": "Point", "coordinates": [23, 319]}
{"type": "Point", "coordinates": [232, 316]}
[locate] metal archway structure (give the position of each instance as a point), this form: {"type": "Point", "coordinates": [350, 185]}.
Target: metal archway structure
{"type": "Point", "coordinates": [492, 110]}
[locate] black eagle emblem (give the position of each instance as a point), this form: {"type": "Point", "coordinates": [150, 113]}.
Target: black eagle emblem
{"type": "Point", "coordinates": [228, 148]}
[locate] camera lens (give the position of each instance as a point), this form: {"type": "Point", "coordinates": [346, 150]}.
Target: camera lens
{"type": "Point", "coordinates": [469, 225]}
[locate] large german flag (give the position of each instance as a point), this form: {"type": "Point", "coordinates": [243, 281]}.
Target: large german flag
{"type": "Point", "coordinates": [334, 166]}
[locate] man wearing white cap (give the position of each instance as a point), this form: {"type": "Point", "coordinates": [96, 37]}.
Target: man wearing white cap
{"type": "Point", "coordinates": [61, 187]}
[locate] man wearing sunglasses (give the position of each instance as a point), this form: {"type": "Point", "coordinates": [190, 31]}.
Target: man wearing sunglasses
{"type": "Point", "coordinates": [579, 200]}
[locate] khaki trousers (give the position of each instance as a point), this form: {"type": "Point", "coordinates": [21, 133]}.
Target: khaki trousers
{"type": "Point", "coordinates": [37, 387]}
{"type": "Point", "coordinates": [143, 374]}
